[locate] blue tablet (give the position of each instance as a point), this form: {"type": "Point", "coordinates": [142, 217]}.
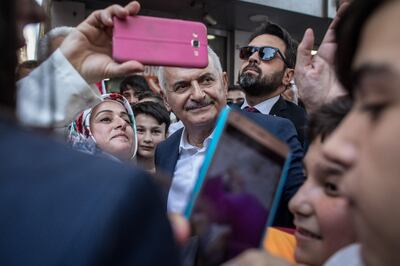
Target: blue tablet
{"type": "Point", "coordinates": [238, 188]}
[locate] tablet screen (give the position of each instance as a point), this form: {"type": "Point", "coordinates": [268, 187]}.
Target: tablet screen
{"type": "Point", "coordinates": [232, 209]}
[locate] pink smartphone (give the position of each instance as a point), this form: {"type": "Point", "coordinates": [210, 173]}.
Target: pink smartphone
{"type": "Point", "coordinates": [160, 41]}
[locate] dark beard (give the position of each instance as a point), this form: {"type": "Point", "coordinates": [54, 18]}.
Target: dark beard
{"type": "Point", "coordinates": [257, 86]}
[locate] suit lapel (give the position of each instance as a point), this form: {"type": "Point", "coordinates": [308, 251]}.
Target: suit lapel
{"type": "Point", "coordinates": [174, 153]}
{"type": "Point", "coordinates": [278, 107]}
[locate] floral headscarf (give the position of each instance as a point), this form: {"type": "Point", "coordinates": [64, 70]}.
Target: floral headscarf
{"type": "Point", "coordinates": [81, 137]}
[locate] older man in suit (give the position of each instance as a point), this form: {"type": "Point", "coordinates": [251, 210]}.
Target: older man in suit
{"type": "Point", "coordinates": [196, 96]}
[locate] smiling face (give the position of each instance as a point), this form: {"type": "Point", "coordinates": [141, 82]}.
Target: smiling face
{"type": "Point", "coordinates": [111, 128]}
{"type": "Point", "coordinates": [150, 134]}
{"type": "Point", "coordinates": [196, 95]}
{"type": "Point", "coordinates": [367, 142]}
{"type": "Point", "coordinates": [322, 219]}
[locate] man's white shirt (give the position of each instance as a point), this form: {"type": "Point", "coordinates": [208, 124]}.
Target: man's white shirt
{"type": "Point", "coordinates": [186, 172]}
{"type": "Point", "coordinates": [263, 107]}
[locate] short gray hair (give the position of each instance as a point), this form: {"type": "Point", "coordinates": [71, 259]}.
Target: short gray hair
{"type": "Point", "coordinates": [44, 45]}
{"type": "Point", "coordinates": [214, 59]}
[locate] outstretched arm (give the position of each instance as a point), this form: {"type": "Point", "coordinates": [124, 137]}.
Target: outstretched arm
{"type": "Point", "coordinates": [54, 93]}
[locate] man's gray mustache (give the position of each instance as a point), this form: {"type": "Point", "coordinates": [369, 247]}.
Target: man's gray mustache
{"type": "Point", "coordinates": [195, 105]}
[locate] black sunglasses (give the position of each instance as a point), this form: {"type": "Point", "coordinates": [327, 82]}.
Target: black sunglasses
{"type": "Point", "coordinates": [266, 53]}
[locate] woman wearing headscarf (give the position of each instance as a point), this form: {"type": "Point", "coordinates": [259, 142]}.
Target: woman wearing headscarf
{"type": "Point", "coordinates": [108, 129]}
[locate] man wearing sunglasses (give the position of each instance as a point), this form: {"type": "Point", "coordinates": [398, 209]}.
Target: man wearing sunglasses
{"type": "Point", "coordinates": [266, 71]}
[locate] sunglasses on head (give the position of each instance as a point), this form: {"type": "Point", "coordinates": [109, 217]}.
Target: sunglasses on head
{"type": "Point", "coordinates": [266, 53]}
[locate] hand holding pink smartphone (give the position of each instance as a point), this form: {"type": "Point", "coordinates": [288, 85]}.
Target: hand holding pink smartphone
{"type": "Point", "coordinates": [160, 42]}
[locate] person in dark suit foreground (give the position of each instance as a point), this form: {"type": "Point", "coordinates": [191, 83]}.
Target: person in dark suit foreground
{"type": "Point", "coordinates": [61, 207]}
{"type": "Point", "coordinates": [196, 96]}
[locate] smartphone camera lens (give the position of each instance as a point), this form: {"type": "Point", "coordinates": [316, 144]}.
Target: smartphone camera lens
{"type": "Point", "coordinates": [196, 43]}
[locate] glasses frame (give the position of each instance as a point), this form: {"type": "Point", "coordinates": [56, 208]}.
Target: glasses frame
{"type": "Point", "coordinates": [259, 50]}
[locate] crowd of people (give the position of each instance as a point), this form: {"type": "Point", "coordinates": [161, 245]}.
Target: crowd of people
{"type": "Point", "coordinates": [96, 198]}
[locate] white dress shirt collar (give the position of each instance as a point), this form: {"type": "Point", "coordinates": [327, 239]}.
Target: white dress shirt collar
{"type": "Point", "coordinates": [184, 144]}
{"type": "Point", "coordinates": [186, 171]}
{"type": "Point", "coordinates": [265, 106]}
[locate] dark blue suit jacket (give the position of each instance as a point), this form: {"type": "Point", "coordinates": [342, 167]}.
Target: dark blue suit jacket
{"type": "Point", "coordinates": [61, 207]}
{"type": "Point", "coordinates": [167, 155]}
{"type": "Point", "coordinates": [296, 114]}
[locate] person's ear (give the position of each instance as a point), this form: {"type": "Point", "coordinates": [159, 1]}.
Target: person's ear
{"type": "Point", "coordinates": [154, 85]}
{"type": "Point", "coordinates": [287, 76]}
{"type": "Point", "coordinates": [225, 83]}
{"type": "Point", "coordinates": [165, 99]}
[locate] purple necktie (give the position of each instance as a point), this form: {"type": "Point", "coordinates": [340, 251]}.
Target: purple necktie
{"type": "Point", "coordinates": [251, 109]}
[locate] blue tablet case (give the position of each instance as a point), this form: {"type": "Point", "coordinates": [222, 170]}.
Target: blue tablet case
{"type": "Point", "coordinates": [218, 132]}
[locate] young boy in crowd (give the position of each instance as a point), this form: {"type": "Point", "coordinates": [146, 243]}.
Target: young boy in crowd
{"type": "Point", "coordinates": [132, 86]}
{"type": "Point", "coordinates": [235, 95]}
{"type": "Point", "coordinates": [152, 122]}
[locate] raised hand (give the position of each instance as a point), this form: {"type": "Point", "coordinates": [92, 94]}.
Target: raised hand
{"type": "Point", "coordinates": [89, 47]}
{"type": "Point", "coordinates": [314, 75]}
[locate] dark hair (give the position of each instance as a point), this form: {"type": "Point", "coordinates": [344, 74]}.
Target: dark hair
{"type": "Point", "coordinates": [326, 118]}
{"type": "Point", "coordinates": [348, 35]}
{"type": "Point", "coordinates": [155, 110]}
{"type": "Point", "coordinates": [276, 30]}
{"type": "Point", "coordinates": [235, 88]}
{"type": "Point", "coordinates": [145, 94]}
{"type": "Point", "coordinates": [149, 94]}
{"type": "Point", "coordinates": [136, 82]}
{"type": "Point", "coordinates": [30, 64]}
{"type": "Point", "coordinates": [8, 46]}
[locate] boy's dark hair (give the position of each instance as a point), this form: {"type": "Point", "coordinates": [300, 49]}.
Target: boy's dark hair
{"type": "Point", "coordinates": [149, 94]}
{"type": "Point", "coordinates": [136, 82]}
{"type": "Point", "coordinates": [348, 34]}
{"type": "Point", "coordinates": [155, 110]}
{"type": "Point", "coordinates": [276, 30]}
{"type": "Point", "coordinates": [326, 118]}
{"type": "Point", "coordinates": [145, 94]}
{"type": "Point", "coordinates": [235, 88]}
